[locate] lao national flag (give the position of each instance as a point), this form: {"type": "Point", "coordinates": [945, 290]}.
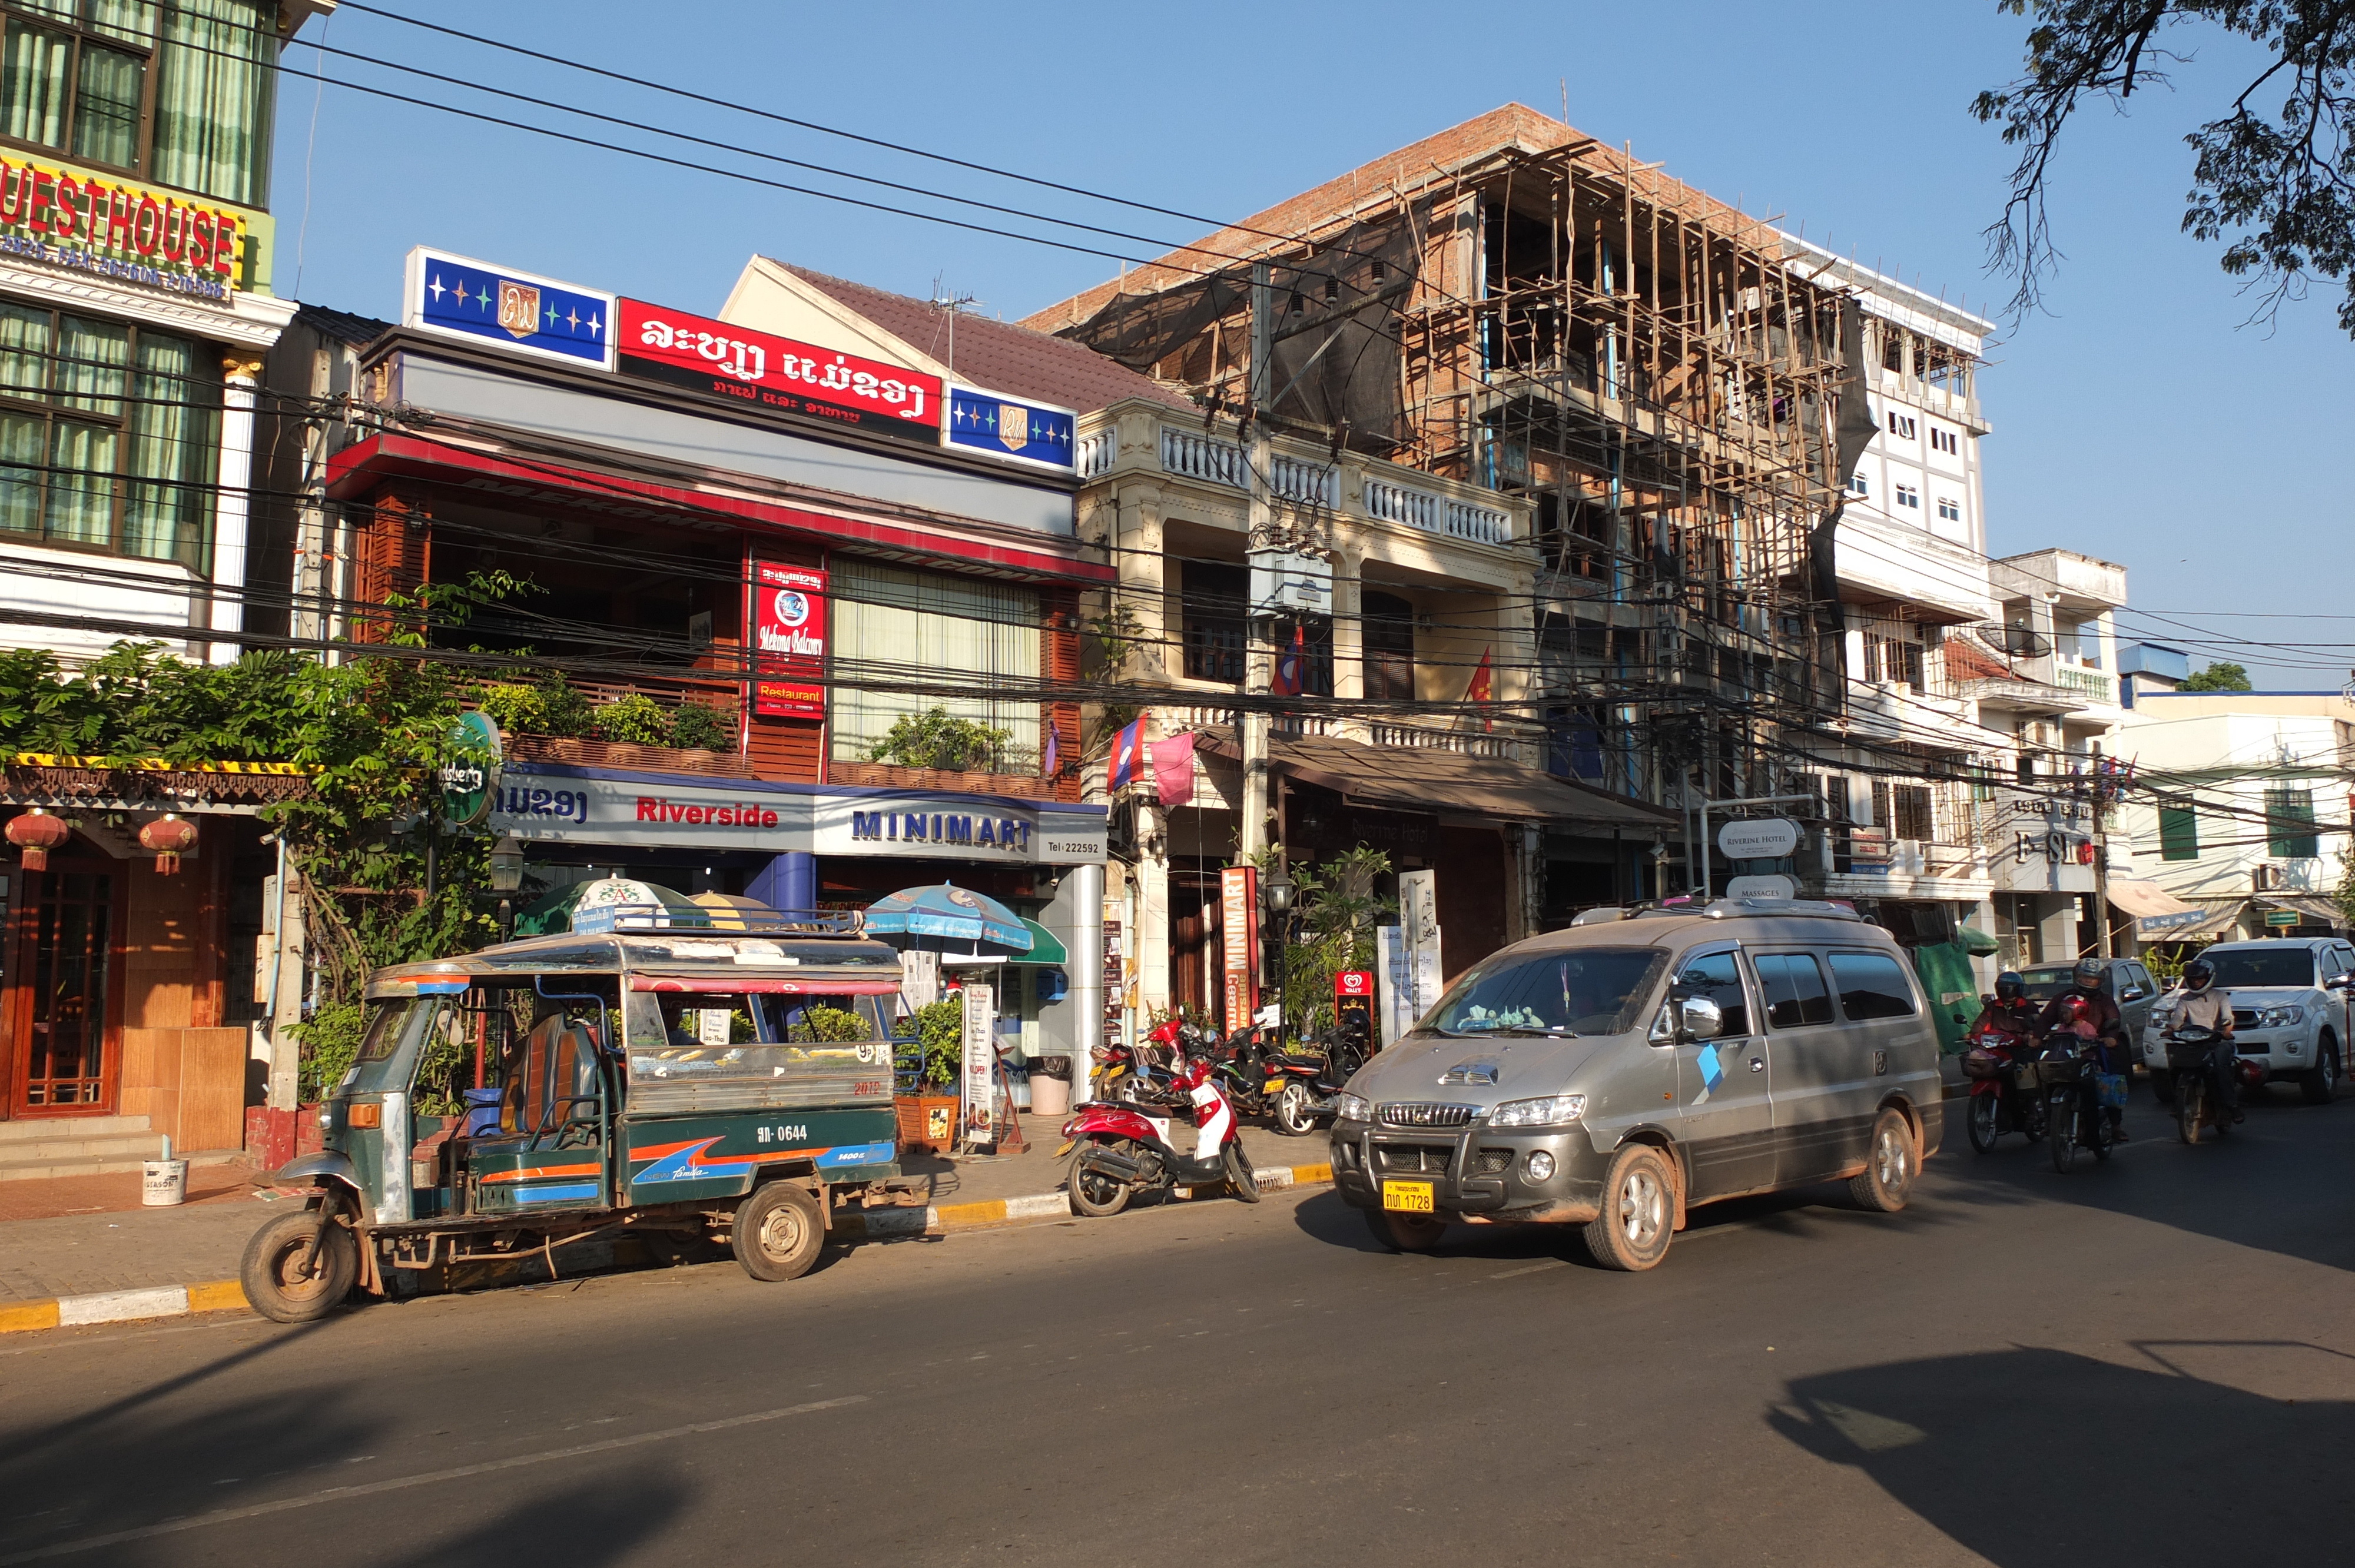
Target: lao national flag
{"type": "Point", "coordinates": [1291, 667]}
{"type": "Point", "coordinates": [1052, 768]}
{"type": "Point", "coordinates": [1125, 758]}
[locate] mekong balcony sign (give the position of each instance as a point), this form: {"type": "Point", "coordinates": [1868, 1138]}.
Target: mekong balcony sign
{"type": "Point", "coordinates": [457, 296]}
{"type": "Point", "coordinates": [1758, 838]}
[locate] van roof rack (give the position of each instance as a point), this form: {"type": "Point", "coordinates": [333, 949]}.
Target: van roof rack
{"type": "Point", "coordinates": [1690, 906]}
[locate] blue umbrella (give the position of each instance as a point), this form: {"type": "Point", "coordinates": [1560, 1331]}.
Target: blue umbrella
{"type": "Point", "coordinates": [948, 910]}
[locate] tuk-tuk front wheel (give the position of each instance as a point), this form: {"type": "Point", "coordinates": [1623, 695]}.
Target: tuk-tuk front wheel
{"type": "Point", "coordinates": [778, 1231]}
{"type": "Point", "coordinates": [285, 1281]}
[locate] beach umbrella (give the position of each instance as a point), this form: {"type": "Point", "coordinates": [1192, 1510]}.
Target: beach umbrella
{"type": "Point", "coordinates": [608, 903]}
{"type": "Point", "coordinates": [949, 911]}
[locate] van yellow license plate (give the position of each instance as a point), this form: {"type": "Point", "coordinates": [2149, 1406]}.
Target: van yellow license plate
{"type": "Point", "coordinates": [1411, 1197]}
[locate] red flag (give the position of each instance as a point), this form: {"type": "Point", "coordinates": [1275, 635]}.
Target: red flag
{"type": "Point", "coordinates": [1482, 689]}
{"type": "Point", "coordinates": [1173, 768]}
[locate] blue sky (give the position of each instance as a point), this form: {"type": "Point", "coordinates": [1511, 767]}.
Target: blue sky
{"type": "Point", "coordinates": [2138, 420]}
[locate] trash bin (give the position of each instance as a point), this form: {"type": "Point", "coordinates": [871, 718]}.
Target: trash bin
{"type": "Point", "coordinates": [163, 1184]}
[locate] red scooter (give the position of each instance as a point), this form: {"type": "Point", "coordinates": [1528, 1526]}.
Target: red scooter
{"type": "Point", "coordinates": [1121, 1150]}
{"type": "Point", "coordinates": [2006, 1089]}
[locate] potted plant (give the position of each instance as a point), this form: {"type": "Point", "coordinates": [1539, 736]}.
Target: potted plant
{"type": "Point", "coordinates": [927, 1107]}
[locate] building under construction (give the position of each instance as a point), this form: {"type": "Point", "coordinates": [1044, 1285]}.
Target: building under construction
{"type": "Point", "coordinates": [1514, 305]}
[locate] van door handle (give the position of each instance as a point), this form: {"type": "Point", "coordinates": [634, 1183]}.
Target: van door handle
{"type": "Point", "coordinates": [1757, 1063]}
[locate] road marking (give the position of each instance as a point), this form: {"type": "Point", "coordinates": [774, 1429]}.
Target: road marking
{"type": "Point", "coordinates": [1533, 1268]}
{"type": "Point", "coordinates": [370, 1488]}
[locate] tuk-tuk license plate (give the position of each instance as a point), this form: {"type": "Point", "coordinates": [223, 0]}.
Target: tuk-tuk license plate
{"type": "Point", "coordinates": [1411, 1197]}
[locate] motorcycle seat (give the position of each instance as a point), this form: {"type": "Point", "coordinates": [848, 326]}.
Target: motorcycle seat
{"type": "Point", "coordinates": [1289, 1059]}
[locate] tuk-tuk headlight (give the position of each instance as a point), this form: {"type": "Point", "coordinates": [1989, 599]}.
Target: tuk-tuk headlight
{"type": "Point", "coordinates": [326, 1120]}
{"type": "Point", "coordinates": [1347, 1106]}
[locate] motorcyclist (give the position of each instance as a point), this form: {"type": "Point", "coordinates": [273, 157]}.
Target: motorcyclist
{"type": "Point", "coordinates": [2008, 1012]}
{"type": "Point", "coordinates": [2203, 1006]}
{"type": "Point", "coordinates": [2109, 1028]}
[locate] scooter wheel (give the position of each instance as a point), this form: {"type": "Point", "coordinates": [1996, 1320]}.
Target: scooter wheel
{"type": "Point", "coordinates": [1985, 1122]}
{"type": "Point", "coordinates": [1093, 1193]}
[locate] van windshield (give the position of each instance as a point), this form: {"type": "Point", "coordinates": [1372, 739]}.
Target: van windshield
{"type": "Point", "coordinates": [1581, 990]}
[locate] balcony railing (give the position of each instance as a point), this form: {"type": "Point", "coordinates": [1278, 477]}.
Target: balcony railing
{"type": "Point", "coordinates": [1435, 514]}
{"type": "Point", "coordinates": [2100, 687]}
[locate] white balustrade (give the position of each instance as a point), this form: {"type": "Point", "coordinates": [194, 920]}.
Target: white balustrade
{"type": "Point", "coordinates": [1192, 456]}
{"type": "Point", "coordinates": [1096, 452]}
{"type": "Point", "coordinates": [1435, 514]}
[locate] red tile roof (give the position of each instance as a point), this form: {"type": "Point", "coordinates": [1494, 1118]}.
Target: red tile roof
{"type": "Point", "coordinates": [997, 355]}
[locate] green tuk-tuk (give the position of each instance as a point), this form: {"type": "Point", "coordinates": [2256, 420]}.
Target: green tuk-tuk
{"type": "Point", "coordinates": [674, 1084]}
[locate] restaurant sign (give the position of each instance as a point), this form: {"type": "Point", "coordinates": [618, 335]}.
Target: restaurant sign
{"type": "Point", "coordinates": [1034, 433]}
{"type": "Point", "coordinates": [117, 230]}
{"type": "Point", "coordinates": [457, 296]}
{"type": "Point", "coordinates": [777, 375]}
{"type": "Point", "coordinates": [789, 638]}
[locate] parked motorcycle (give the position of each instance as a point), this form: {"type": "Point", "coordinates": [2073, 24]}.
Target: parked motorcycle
{"type": "Point", "coordinates": [2007, 1089]}
{"type": "Point", "coordinates": [2188, 1054]}
{"type": "Point", "coordinates": [1139, 1074]}
{"type": "Point", "coordinates": [1119, 1150]}
{"type": "Point", "coordinates": [2077, 1095]}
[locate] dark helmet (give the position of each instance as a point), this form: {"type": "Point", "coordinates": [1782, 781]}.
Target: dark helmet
{"type": "Point", "coordinates": [2089, 973]}
{"type": "Point", "coordinates": [2010, 987]}
{"type": "Point", "coordinates": [2199, 975]}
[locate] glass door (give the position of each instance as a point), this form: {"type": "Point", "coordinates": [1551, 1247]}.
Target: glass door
{"type": "Point", "coordinates": [63, 1014]}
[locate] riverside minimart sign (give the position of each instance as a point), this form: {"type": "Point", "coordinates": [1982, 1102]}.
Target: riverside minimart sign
{"type": "Point", "coordinates": [550, 803]}
{"type": "Point", "coordinates": [60, 216]}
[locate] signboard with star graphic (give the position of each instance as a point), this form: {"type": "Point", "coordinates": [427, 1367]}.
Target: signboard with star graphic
{"type": "Point", "coordinates": [457, 296]}
{"type": "Point", "coordinates": [1036, 433]}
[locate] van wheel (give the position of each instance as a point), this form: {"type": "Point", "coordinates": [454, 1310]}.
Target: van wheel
{"type": "Point", "coordinates": [778, 1231]}
{"type": "Point", "coordinates": [1405, 1233]}
{"type": "Point", "coordinates": [284, 1283]}
{"type": "Point", "coordinates": [2321, 1087]}
{"type": "Point", "coordinates": [1638, 1216]}
{"type": "Point", "coordinates": [1889, 1166]}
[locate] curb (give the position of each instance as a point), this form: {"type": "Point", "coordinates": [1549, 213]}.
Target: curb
{"type": "Point", "coordinates": [945, 1218]}
{"type": "Point", "coordinates": [121, 1306]}
{"type": "Point", "coordinates": [227, 1295]}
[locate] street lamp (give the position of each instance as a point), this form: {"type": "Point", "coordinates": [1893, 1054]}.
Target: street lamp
{"type": "Point", "coordinates": [507, 878]}
{"type": "Point", "coordinates": [1279, 891]}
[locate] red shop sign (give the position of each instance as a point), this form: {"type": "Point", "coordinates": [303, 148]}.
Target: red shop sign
{"type": "Point", "coordinates": [1353, 982]}
{"type": "Point", "coordinates": [788, 642]}
{"type": "Point", "coordinates": [777, 375]}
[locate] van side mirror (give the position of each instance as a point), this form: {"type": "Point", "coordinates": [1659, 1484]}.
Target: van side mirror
{"type": "Point", "coordinates": [1700, 1018]}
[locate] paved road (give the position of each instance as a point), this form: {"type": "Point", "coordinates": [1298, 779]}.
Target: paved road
{"type": "Point", "coordinates": [2151, 1362]}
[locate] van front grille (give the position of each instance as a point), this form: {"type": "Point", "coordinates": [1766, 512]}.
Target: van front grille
{"type": "Point", "coordinates": [1434, 1115]}
{"type": "Point", "coordinates": [1415, 1159]}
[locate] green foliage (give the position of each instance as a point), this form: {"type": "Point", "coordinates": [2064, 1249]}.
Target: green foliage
{"type": "Point", "coordinates": [933, 740]}
{"type": "Point", "coordinates": [635, 720]}
{"type": "Point", "coordinates": [702, 727]}
{"type": "Point", "coordinates": [2275, 180]}
{"type": "Point", "coordinates": [325, 1044]}
{"type": "Point", "coordinates": [1338, 912]}
{"type": "Point", "coordinates": [833, 1026]}
{"type": "Point", "coordinates": [939, 1028]}
{"type": "Point", "coordinates": [2221, 676]}
{"type": "Point", "coordinates": [547, 704]}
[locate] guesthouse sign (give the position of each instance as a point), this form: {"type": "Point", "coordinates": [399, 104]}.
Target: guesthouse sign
{"type": "Point", "coordinates": [120, 231]}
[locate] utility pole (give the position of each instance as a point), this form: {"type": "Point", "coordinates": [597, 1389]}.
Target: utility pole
{"type": "Point", "coordinates": [2101, 860]}
{"type": "Point", "coordinates": [1259, 650]}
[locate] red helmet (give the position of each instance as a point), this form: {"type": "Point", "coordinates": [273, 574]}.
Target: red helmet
{"type": "Point", "coordinates": [2072, 1009]}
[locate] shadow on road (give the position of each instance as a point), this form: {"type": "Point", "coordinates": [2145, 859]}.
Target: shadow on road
{"type": "Point", "coordinates": [2273, 1184]}
{"type": "Point", "coordinates": [584, 1526]}
{"type": "Point", "coordinates": [2037, 1458]}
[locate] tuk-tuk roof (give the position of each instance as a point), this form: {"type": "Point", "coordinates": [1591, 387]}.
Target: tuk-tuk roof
{"type": "Point", "coordinates": [684, 951]}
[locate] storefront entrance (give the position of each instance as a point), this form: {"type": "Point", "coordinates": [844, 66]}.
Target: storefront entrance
{"type": "Point", "coordinates": [62, 998]}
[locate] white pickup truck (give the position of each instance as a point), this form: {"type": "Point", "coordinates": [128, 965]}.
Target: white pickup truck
{"type": "Point", "coordinates": [2290, 1011]}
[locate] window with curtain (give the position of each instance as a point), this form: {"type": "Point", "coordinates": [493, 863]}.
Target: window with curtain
{"type": "Point", "coordinates": [894, 623]}
{"type": "Point", "coordinates": [178, 90]}
{"type": "Point", "coordinates": [109, 436]}
{"type": "Point", "coordinates": [2290, 825]}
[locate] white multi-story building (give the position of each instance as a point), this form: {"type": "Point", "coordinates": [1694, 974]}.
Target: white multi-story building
{"type": "Point", "coordinates": [1980, 689]}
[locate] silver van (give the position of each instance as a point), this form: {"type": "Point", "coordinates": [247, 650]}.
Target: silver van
{"type": "Point", "coordinates": [1616, 1074]}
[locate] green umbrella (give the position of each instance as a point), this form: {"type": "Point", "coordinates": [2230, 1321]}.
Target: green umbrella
{"type": "Point", "coordinates": [607, 902]}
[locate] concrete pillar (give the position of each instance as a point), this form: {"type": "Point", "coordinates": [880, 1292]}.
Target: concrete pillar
{"type": "Point", "coordinates": [788, 883]}
{"type": "Point", "coordinates": [233, 506]}
{"type": "Point", "coordinates": [1084, 887]}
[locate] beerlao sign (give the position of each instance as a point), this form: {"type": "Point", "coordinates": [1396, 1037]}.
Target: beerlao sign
{"type": "Point", "coordinates": [117, 230]}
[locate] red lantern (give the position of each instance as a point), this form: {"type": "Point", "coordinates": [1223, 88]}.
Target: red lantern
{"type": "Point", "coordinates": [170, 837]}
{"type": "Point", "coordinates": [36, 833]}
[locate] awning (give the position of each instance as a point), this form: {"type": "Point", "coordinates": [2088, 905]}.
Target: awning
{"type": "Point", "coordinates": [2312, 908]}
{"type": "Point", "coordinates": [2145, 899]}
{"type": "Point", "coordinates": [2199, 925]}
{"type": "Point", "coordinates": [1446, 783]}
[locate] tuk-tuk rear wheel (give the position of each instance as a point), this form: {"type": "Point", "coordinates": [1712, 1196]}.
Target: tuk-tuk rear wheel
{"type": "Point", "coordinates": [283, 1282]}
{"type": "Point", "coordinates": [778, 1231]}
